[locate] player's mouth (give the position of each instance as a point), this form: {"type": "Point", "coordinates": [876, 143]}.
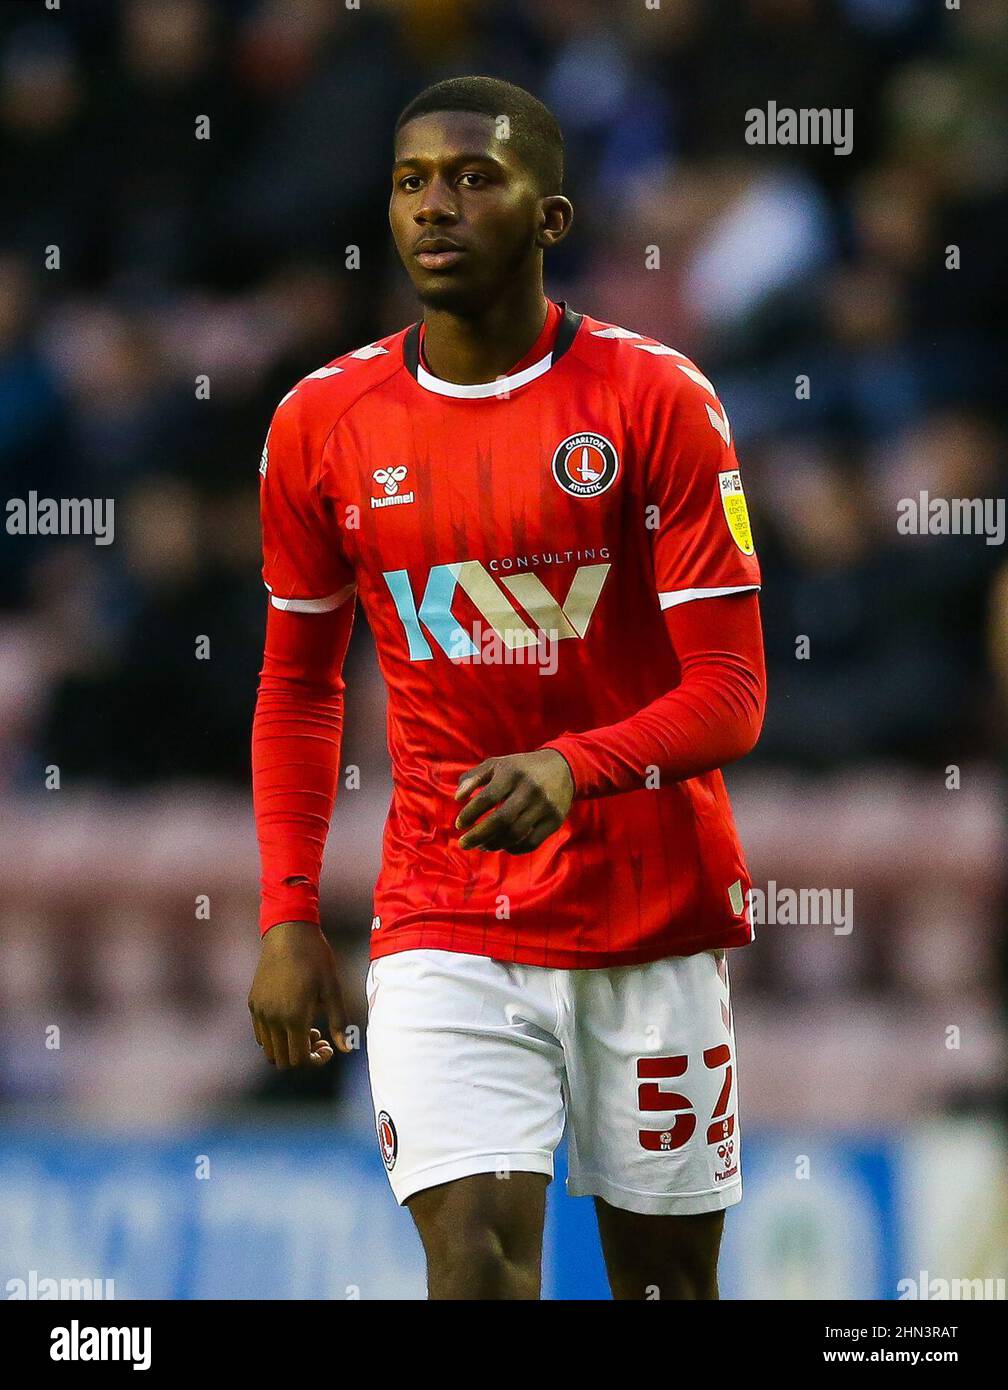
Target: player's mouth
{"type": "Point", "coordinates": [438, 253]}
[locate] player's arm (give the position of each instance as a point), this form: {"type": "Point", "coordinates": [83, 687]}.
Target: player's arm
{"type": "Point", "coordinates": [296, 739]}
{"type": "Point", "coordinates": [706, 577]}
{"type": "Point", "coordinates": [711, 718]}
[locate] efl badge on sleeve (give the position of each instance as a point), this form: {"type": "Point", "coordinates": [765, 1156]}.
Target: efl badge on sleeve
{"type": "Point", "coordinates": [735, 509]}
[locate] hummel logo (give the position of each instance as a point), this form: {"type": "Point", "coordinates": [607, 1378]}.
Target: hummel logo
{"type": "Point", "coordinates": [389, 479]}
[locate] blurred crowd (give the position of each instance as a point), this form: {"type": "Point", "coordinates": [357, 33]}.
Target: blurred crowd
{"type": "Point", "coordinates": [224, 259]}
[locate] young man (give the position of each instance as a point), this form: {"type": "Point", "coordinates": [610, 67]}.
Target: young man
{"type": "Point", "coordinates": [543, 519]}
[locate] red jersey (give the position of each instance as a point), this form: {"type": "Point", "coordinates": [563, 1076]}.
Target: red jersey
{"type": "Point", "coordinates": [514, 546]}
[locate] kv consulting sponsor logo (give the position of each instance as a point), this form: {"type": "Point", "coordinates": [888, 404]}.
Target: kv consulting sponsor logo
{"type": "Point", "coordinates": [552, 620]}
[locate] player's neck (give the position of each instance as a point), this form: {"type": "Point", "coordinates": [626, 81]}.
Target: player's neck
{"type": "Point", "coordinates": [480, 348]}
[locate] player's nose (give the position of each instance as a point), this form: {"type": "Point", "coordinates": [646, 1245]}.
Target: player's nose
{"type": "Point", "coordinates": [437, 205]}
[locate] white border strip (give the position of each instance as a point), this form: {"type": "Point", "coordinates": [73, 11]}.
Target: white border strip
{"type": "Point", "coordinates": [677, 596]}
{"type": "Point", "coordinates": [481, 389]}
{"type": "Point", "coordinates": [312, 605]}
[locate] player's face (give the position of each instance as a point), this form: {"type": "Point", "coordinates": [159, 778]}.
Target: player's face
{"type": "Point", "coordinates": [458, 188]}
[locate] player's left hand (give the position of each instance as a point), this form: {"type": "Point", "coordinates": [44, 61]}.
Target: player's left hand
{"type": "Point", "coordinates": [522, 799]}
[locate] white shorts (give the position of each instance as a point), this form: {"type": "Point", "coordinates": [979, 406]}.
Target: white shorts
{"type": "Point", "coordinates": [476, 1064]}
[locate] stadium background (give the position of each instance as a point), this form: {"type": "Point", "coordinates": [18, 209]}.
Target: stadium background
{"type": "Point", "coordinates": [151, 1145]}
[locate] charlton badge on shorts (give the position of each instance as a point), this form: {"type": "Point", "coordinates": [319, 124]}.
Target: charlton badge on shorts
{"type": "Point", "coordinates": [585, 464]}
{"type": "Point", "coordinates": [388, 1139]}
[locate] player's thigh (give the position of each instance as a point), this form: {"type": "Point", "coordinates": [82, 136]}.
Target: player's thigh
{"type": "Point", "coordinates": [466, 1074]}
{"type": "Point", "coordinates": [660, 1257]}
{"type": "Point", "coordinates": [653, 1087]}
{"type": "Point", "coordinates": [482, 1235]}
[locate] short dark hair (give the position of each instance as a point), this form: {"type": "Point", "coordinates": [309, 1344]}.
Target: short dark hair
{"type": "Point", "coordinates": [534, 131]}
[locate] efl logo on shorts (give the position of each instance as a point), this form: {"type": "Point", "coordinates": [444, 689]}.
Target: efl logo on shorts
{"type": "Point", "coordinates": [585, 464]}
{"type": "Point", "coordinates": [387, 1139]}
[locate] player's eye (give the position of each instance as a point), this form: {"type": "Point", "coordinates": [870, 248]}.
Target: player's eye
{"type": "Point", "coordinates": [409, 179]}
{"type": "Point", "coordinates": [480, 178]}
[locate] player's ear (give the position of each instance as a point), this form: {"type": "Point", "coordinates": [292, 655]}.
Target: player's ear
{"type": "Point", "coordinates": [555, 216]}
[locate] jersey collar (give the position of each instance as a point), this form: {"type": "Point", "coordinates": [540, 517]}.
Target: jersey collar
{"type": "Point", "coordinates": [568, 326]}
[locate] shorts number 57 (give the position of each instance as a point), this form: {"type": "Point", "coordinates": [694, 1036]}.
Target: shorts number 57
{"type": "Point", "coordinates": [651, 1097]}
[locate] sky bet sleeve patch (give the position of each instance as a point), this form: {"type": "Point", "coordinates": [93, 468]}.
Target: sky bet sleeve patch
{"type": "Point", "coordinates": [735, 509]}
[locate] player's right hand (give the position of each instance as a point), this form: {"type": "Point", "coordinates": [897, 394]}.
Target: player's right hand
{"type": "Point", "coordinates": [296, 981]}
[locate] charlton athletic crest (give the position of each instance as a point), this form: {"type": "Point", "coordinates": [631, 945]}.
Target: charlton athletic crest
{"type": "Point", "coordinates": [585, 464]}
{"type": "Point", "coordinates": [388, 1139]}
